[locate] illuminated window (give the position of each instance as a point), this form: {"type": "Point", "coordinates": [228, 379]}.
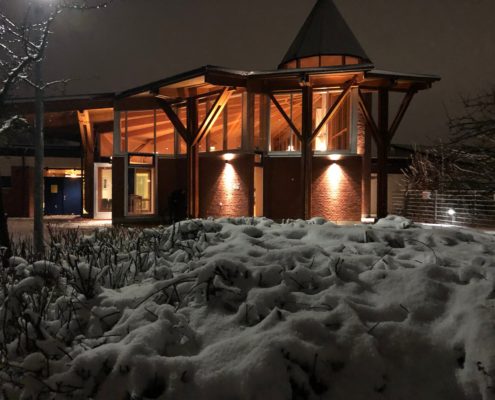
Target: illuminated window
{"type": "Point", "coordinates": [335, 134]}
{"type": "Point", "coordinates": [259, 125]}
{"type": "Point", "coordinates": [309, 62]}
{"type": "Point", "coordinates": [141, 131]}
{"type": "Point", "coordinates": [140, 191]}
{"type": "Point", "coordinates": [234, 122]}
{"type": "Point", "coordinates": [282, 137]}
{"type": "Point", "coordinates": [164, 134]}
{"type": "Point", "coordinates": [104, 189]}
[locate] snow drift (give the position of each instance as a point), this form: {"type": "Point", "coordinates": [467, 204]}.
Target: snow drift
{"type": "Point", "coordinates": [252, 309]}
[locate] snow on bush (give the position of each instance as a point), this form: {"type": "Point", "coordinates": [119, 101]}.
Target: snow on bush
{"type": "Point", "coordinates": [245, 308]}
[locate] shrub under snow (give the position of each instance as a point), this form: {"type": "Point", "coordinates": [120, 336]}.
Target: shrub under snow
{"type": "Point", "coordinates": [252, 309]}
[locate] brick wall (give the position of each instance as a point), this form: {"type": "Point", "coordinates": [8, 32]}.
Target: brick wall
{"type": "Point", "coordinates": [226, 188]}
{"type": "Point", "coordinates": [337, 188]}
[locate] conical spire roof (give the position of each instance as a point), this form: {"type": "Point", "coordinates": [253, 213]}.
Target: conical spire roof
{"type": "Point", "coordinates": [325, 32]}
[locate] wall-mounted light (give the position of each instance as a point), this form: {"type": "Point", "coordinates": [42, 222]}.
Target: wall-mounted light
{"type": "Point", "coordinates": [228, 157]}
{"type": "Point", "coordinates": [451, 212]}
{"type": "Point", "coordinates": [335, 157]}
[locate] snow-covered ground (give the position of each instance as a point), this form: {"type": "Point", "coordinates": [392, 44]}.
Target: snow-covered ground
{"type": "Point", "coordinates": [251, 309]}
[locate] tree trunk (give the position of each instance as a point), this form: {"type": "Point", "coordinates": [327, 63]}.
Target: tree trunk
{"type": "Point", "coordinates": [4, 231]}
{"type": "Point", "coordinates": [39, 153]}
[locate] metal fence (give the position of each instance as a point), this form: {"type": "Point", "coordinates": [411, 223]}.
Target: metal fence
{"type": "Point", "coordinates": [466, 208]}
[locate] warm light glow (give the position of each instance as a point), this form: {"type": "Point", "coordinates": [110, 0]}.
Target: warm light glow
{"type": "Point", "coordinates": [228, 157]}
{"type": "Point", "coordinates": [229, 180]}
{"type": "Point", "coordinates": [334, 176]}
{"type": "Point", "coordinates": [335, 157]}
{"type": "Point", "coordinates": [212, 148]}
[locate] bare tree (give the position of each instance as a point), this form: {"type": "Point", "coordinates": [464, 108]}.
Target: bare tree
{"type": "Point", "coordinates": [22, 48]}
{"type": "Point", "coordinates": [467, 159]}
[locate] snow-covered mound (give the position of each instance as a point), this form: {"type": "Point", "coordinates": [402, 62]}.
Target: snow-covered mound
{"type": "Point", "coordinates": [251, 309]}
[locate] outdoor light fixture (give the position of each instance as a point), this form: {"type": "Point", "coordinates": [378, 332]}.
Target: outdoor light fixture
{"type": "Point", "coordinates": [228, 157]}
{"type": "Point", "coordinates": [335, 157]}
{"type": "Point", "coordinates": [451, 212]}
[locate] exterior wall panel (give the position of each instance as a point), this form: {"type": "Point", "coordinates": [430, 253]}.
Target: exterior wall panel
{"type": "Point", "coordinates": [171, 177]}
{"type": "Point", "coordinates": [282, 187]}
{"type": "Point", "coordinates": [226, 188]}
{"type": "Point", "coordinates": [336, 188]}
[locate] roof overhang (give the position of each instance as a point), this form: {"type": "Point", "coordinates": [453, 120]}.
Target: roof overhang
{"type": "Point", "coordinates": [62, 103]}
{"type": "Point", "coordinates": [397, 81]}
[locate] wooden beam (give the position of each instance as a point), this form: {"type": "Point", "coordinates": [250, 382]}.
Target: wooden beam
{"type": "Point", "coordinates": [286, 117]}
{"type": "Point", "coordinates": [306, 150]}
{"type": "Point", "coordinates": [213, 114]}
{"type": "Point", "coordinates": [333, 109]}
{"type": "Point", "coordinates": [173, 117]}
{"type": "Point", "coordinates": [369, 118]}
{"type": "Point", "coordinates": [192, 161]}
{"type": "Point", "coordinates": [406, 101]}
{"type": "Point", "coordinates": [382, 153]}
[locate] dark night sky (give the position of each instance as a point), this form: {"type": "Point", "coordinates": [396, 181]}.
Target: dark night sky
{"type": "Point", "coordinates": [137, 41]}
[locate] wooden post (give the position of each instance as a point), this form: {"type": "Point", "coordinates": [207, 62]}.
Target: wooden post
{"type": "Point", "coordinates": [383, 145]}
{"type": "Point", "coordinates": [366, 178]}
{"type": "Point", "coordinates": [306, 151]}
{"type": "Point", "coordinates": [192, 160]}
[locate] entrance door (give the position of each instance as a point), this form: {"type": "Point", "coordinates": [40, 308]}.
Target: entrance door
{"type": "Point", "coordinates": [54, 196]}
{"type": "Point", "coordinates": [62, 196]}
{"type": "Point", "coordinates": [103, 191]}
{"type": "Point", "coordinates": [258, 191]}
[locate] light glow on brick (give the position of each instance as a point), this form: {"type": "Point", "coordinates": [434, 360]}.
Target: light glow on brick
{"type": "Point", "coordinates": [335, 175]}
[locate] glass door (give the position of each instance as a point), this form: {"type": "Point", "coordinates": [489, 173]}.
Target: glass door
{"type": "Point", "coordinates": [103, 191]}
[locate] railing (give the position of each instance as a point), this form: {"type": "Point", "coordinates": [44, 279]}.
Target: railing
{"type": "Point", "coordinates": [466, 208]}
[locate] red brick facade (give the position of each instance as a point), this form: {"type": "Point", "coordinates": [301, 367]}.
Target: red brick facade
{"type": "Point", "coordinates": [226, 187]}
{"type": "Point", "coordinates": [337, 188]}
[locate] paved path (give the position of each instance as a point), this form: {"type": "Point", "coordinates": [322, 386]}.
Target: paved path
{"type": "Point", "coordinates": [24, 226]}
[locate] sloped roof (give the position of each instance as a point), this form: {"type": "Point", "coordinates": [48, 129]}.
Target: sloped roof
{"type": "Point", "coordinates": [325, 32]}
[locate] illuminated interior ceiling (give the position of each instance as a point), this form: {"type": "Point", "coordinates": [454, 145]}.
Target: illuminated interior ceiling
{"type": "Point", "coordinates": [63, 173]}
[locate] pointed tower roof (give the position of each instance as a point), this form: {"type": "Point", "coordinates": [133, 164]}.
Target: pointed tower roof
{"type": "Point", "coordinates": [325, 32]}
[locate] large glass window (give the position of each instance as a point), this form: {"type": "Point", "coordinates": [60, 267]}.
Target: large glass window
{"type": "Point", "coordinates": [234, 122]}
{"type": "Point", "coordinates": [226, 132]}
{"type": "Point", "coordinates": [164, 134]}
{"type": "Point", "coordinates": [140, 190]}
{"type": "Point", "coordinates": [259, 139]}
{"type": "Point", "coordinates": [335, 134]}
{"type": "Point", "coordinates": [146, 132]}
{"type": "Point", "coordinates": [282, 137]}
{"type": "Point", "coordinates": [141, 131]}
